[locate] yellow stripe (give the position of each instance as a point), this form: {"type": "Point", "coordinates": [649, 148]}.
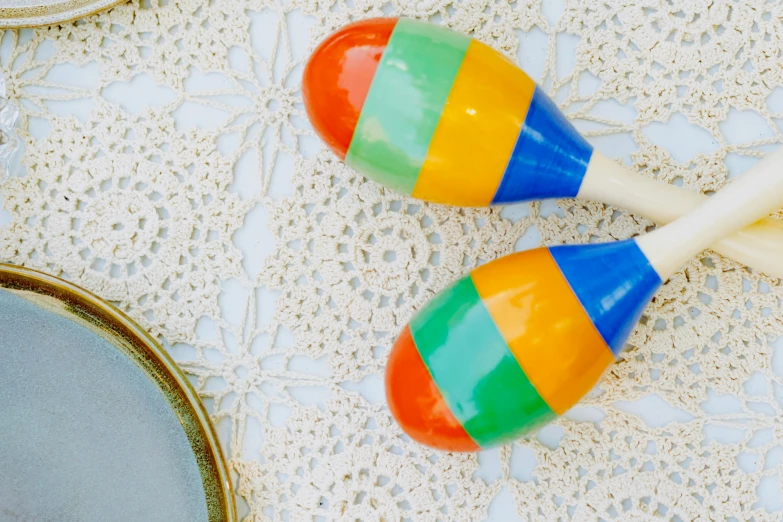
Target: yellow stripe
{"type": "Point", "coordinates": [477, 131]}
{"type": "Point", "coordinates": [545, 326]}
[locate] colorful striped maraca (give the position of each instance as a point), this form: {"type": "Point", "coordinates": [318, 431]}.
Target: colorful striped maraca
{"type": "Point", "coordinates": [433, 113]}
{"type": "Point", "coordinates": [523, 338]}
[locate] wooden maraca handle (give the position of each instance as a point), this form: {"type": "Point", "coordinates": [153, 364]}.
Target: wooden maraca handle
{"type": "Point", "coordinates": [756, 193]}
{"type": "Point", "coordinates": [759, 246]}
{"type": "Point", "coordinates": [521, 339]}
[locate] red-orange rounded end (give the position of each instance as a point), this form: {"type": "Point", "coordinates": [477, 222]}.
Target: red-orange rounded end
{"type": "Point", "coordinates": [416, 402]}
{"type": "Point", "coordinates": [337, 79]}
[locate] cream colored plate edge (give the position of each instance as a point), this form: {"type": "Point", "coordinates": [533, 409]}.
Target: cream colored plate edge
{"type": "Point", "coordinates": [40, 15]}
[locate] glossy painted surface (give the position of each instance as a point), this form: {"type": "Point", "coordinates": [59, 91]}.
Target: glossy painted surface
{"type": "Point", "coordinates": [516, 342]}
{"type": "Point", "coordinates": [477, 131]}
{"type": "Point", "coordinates": [545, 326]}
{"type": "Point", "coordinates": [613, 281]}
{"type": "Point", "coordinates": [337, 79]}
{"type": "Point", "coordinates": [476, 373]}
{"type": "Point", "coordinates": [550, 158]}
{"type": "Point", "coordinates": [405, 102]}
{"type": "Point", "coordinates": [416, 402]}
{"type": "Point", "coordinates": [446, 118]}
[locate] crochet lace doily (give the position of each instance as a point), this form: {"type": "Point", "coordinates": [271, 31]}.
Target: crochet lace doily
{"type": "Point", "coordinates": [278, 278]}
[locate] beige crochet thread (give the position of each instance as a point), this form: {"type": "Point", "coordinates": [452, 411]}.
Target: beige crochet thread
{"type": "Point", "coordinates": [278, 277]}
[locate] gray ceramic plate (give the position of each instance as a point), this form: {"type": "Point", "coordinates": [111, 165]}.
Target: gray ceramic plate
{"type": "Point", "coordinates": [33, 13]}
{"type": "Point", "coordinates": [96, 422]}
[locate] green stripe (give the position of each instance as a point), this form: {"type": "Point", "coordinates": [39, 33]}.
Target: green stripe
{"type": "Point", "coordinates": [405, 101]}
{"type": "Point", "coordinates": [470, 362]}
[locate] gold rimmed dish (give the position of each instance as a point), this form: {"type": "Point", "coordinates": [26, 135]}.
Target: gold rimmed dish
{"type": "Point", "coordinates": [98, 423]}
{"type": "Point", "coordinates": [15, 14]}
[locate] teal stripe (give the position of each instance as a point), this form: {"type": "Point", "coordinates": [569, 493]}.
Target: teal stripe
{"type": "Point", "coordinates": [405, 101]}
{"type": "Point", "coordinates": [470, 362]}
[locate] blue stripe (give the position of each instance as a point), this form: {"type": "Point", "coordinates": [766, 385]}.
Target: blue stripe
{"type": "Point", "coordinates": [613, 281]}
{"type": "Point", "coordinates": [550, 157]}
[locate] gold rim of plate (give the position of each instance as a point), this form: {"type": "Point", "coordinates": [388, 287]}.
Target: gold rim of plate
{"type": "Point", "coordinates": [70, 301]}
{"type": "Point", "coordinates": [39, 14]}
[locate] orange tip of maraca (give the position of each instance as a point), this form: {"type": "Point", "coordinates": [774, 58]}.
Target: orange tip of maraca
{"type": "Point", "coordinates": [337, 78]}
{"type": "Point", "coordinates": [416, 402]}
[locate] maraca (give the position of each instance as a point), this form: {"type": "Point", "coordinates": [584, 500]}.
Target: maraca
{"type": "Point", "coordinates": [433, 113]}
{"type": "Point", "coordinates": [523, 338]}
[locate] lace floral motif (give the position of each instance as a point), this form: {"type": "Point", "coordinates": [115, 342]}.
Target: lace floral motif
{"type": "Point", "coordinates": [278, 277]}
{"type": "Point", "coordinates": [134, 211]}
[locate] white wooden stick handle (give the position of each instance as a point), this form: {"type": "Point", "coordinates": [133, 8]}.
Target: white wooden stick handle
{"type": "Point", "coordinates": [751, 197]}
{"type": "Point", "coordinates": [759, 245]}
